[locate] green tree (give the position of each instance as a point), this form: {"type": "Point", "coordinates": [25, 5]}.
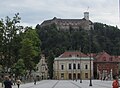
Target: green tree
{"type": "Point", "coordinates": [19, 68]}
{"type": "Point", "coordinates": [30, 48]}
{"type": "Point", "coordinates": [9, 29]}
{"type": "Point", "coordinates": [1, 42]}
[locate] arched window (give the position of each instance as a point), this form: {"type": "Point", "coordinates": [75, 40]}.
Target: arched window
{"type": "Point", "coordinates": [86, 66]}
{"type": "Point", "coordinates": [62, 67]}
{"type": "Point", "coordinates": [78, 66]}
{"type": "Point", "coordinates": [70, 66]}
{"type": "Point", "coordinates": [74, 66]}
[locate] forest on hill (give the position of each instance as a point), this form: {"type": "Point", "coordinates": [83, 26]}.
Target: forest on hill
{"type": "Point", "coordinates": [55, 42]}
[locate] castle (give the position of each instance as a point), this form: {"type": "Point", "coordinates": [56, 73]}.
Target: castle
{"type": "Point", "coordinates": [66, 24]}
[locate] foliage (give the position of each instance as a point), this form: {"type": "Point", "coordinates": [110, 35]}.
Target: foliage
{"type": "Point", "coordinates": [30, 48]}
{"type": "Point", "coordinates": [9, 41]}
{"type": "Point", "coordinates": [16, 43]}
{"type": "Point", "coordinates": [19, 68]}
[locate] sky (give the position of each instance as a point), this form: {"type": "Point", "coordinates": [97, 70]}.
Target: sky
{"type": "Point", "coordinates": [33, 12]}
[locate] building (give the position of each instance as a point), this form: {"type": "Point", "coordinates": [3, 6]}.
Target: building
{"type": "Point", "coordinates": [72, 65]}
{"type": "Point", "coordinates": [66, 24]}
{"type": "Point", "coordinates": [42, 68]}
{"type": "Point", "coordinates": [106, 65]}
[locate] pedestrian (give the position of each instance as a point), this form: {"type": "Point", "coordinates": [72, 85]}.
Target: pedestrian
{"type": "Point", "coordinates": [13, 79]}
{"type": "Point", "coordinates": [18, 82]}
{"type": "Point", "coordinates": [115, 83]}
{"type": "Point", "coordinates": [34, 81]}
{"type": "Point", "coordinates": [7, 82]}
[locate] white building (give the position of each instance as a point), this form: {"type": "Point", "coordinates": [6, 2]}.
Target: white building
{"type": "Point", "coordinates": [73, 65]}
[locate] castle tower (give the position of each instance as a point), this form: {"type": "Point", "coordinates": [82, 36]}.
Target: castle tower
{"type": "Point", "coordinates": [86, 15]}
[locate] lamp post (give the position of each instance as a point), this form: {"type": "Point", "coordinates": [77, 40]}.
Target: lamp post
{"type": "Point", "coordinates": [73, 70]}
{"type": "Point", "coordinates": [90, 72]}
{"type": "Point", "coordinates": [89, 35]}
{"type": "Point", "coordinates": [80, 68]}
{"type": "Point", "coordinates": [90, 56]}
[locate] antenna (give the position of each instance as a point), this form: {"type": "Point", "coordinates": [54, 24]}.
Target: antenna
{"type": "Point", "coordinates": [87, 8]}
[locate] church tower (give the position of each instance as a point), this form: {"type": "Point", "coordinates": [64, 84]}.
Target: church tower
{"type": "Point", "coordinates": [86, 15]}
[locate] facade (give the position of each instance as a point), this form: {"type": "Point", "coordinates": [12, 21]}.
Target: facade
{"type": "Point", "coordinates": [42, 68]}
{"type": "Point", "coordinates": [66, 24]}
{"type": "Point", "coordinates": [106, 66]}
{"type": "Point", "coordinates": [72, 65]}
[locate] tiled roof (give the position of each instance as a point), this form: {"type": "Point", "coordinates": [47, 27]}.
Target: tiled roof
{"type": "Point", "coordinates": [70, 54]}
{"type": "Point", "coordinates": [101, 54]}
{"type": "Point", "coordinates": [92, 54]}
{"type": "Point", "coordinates": [98, 57]}
{"type": "Point", "coordinates": [104, 56]}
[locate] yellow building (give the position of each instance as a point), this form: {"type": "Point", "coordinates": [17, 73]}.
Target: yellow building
{"type": "Point", "coordinates": [73, 65]}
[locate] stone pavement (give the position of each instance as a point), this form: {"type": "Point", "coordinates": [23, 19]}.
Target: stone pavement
{"type": "Point", "coordinates": [67, 84]}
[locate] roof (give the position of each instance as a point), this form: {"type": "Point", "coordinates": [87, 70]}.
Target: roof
{"type": "Point", "coordinates": [59, 21]}
{"type": "Point", "coordinates": [73, 55]}
{"type": "Point", "coordinates": [102, 54]}
{"type": "Point", "coordinates": [70, 54]}
{"type": "Point", "coordinates": [105, 57]}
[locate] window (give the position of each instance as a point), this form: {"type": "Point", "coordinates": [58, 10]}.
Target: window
{"type": "Point", "coordinates": [74, 66]}
{"type": "Point", "coordinates": [70, 76]}
{"type": "Point", "coordinates": [78, 75]}
{"type": "Point", "coordinates": [78, 66]}
{"type": "Point", "coordinates": [69, 66]}
{"type": "Point", "coordinates": [62, 75]}
{"type": "Point", "coordinates": [86, 75]}
{"type": "Point", "coordinates": [70, 55]}
{"type": "Point", "coordinates": [77, 55]}
{"type": "Point", "coordinates": [62, 67]}
{"type": "Point", "coordinates": [74, 76]}
{"type": "Point", "coordinates": [86, 66]}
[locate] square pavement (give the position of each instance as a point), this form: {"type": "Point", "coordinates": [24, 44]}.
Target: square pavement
{"type": "Point", "coordinates": [67, 84]}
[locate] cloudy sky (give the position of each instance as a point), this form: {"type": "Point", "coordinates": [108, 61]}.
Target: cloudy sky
{"type": "Point", "coordinates": [35, 12]}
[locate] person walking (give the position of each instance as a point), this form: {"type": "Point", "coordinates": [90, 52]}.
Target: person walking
{"type": "Point", "coordinates": [35, 81]}
{"type": "Point", "coordinates": [7, 82]}
{"type": "Point", "coordinates": [18, 82]}
{"type": "Point", "coordinates": [115, 83]}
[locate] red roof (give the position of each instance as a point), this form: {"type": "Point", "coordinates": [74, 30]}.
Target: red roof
{"type": "Point", "coordinates": [92, 54]}
{"type": "Point", "coordinates": [74, 53]}
{"type": "Point", "coordinates": [103, 56]}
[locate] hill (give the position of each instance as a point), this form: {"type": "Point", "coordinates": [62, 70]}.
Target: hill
{"type": "Point", "coordinates": [102, 37]}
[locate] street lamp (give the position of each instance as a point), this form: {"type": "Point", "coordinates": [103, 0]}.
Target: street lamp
{"type": "Point", "coordinates": [80, 68]}
{"type": "Point", "coordinates": [73, 70]}
{"type": "Point", "coordinates": [90, 56]}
